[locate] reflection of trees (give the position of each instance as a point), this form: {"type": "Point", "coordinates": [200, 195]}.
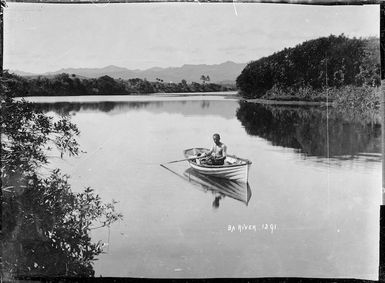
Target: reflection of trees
{"type": "Point", "coordinates": [205, 104]}
{"type": "Point", "coordinates": [184, 107]}
{"type": "Point", "coordinates": [305, 129]}
{"type": "Point", "coordinates": [64, 108]}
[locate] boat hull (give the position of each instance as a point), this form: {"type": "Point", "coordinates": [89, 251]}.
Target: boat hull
{"type": "Point", "coordinates": [237, 170]}
{"type": "Point", "coordinates": [239, 173]}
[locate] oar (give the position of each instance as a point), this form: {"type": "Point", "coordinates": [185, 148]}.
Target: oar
{"type": "Point", "coordinates": [186, 159]}
{"type": "Point", "coordinates": [179, 175]}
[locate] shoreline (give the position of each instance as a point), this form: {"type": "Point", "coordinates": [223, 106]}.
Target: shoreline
{"type": "Point", "coordinates": [230, 95]}
{"type": "Point", "coordinates": [293, 103]}
{"type": "Point", "coordinates": [132, 98]}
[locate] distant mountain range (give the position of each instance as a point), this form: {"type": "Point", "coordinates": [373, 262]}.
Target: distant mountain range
{"type": "Point", "coordinates": [220, 73]}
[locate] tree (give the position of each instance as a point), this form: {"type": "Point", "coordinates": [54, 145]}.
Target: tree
{"type": "Point", "coordinates": [46, 226]}
{"type": "Point", "coordinates": [341, 60]}
{"type": "Point", "coordinates": [205, 79]}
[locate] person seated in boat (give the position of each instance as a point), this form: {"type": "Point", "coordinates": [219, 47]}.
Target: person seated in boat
{"type": "Point", "coordinates": [217, 154]}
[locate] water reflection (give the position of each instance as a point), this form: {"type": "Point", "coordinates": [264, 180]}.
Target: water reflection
{"type": "Point", "coordinates": [65, 108]}
{"type": "Point", "coordinates": [305, 129]}
{"type": "Point", "coordinates": [220, 188]}
{"type": "Point", "coordinates": [300, 204]}
{"type": "Point", "coordinates": [187, 108]}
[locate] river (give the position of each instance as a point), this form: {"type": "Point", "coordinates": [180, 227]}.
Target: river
{"type": "Point", "coordinates": [310, 209]}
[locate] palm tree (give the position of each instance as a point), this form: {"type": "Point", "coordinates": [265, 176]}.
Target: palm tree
{"type": "Point", "coordinates": [205, 78]}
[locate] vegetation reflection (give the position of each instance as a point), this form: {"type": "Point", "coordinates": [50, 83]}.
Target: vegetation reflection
{"type": "Point", "coordinates": [305, 128]}
{"type": "Point", "coordinates": [65, 108]}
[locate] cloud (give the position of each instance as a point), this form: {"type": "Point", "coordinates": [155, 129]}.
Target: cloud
{"type": "Point", "coordinates": [44, 36]}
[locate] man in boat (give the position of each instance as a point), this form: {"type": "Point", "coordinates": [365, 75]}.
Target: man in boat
{"type": "Point", "coordinates": [217, 154]}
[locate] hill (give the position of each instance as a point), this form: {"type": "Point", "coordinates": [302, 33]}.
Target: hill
{"type": "Point", "coordinates": [225, 72]}
{"type": "Point", "coordinates": [333, 61]}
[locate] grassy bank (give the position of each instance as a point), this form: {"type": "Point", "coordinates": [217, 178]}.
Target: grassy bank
{"type": "Point", "coordinates": [363, 97]}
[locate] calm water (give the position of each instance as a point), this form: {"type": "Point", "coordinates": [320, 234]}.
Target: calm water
{"type": "Point", "coordinates": [310, 215]}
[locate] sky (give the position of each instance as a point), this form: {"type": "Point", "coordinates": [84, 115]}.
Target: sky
{"type": "Point", "coordinates": [47, 37]}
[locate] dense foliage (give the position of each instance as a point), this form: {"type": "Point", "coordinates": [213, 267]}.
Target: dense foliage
{"type": "Point", "coordinates": [46, 226]}
{"type": "Point", "coordinates": [332, 61]}
{"type": "Point", "coordinates": [65, 84]}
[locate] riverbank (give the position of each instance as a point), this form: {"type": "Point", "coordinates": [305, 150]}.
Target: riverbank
{"type": "Point", "coordinates": [229, 95]}
{"type": "Point", "coordinates": [136, 98]}
{"type": "Point", "coordinates": [363, 98]}
{"type": "Point", "coordinates": [345, 98]}
{"type": "Point", "coordinates": [236, 95]}
{"type": "Point", "coordinates": [293, 102]}
{"type": "Point", "coordinates": [71, 85]}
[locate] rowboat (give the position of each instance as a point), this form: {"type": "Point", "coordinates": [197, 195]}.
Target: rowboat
{"type": "Point", "coordinates": [218, 186]}
{"type": "Point", "coordinates": [234, 168]}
